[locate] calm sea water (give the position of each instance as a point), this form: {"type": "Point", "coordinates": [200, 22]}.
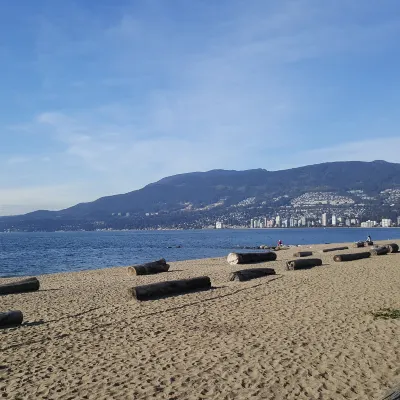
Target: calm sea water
{"type": "Point", "coordinates": [42, 253]}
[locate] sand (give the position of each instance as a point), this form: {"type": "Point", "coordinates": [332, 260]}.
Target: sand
{"type": "Point", "coordinates": [297, 335]}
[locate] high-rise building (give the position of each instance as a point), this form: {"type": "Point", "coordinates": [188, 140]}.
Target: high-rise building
{"type": "Point", "coordinates": [334, 220]}
{"type": "Point", "coordinates": [398, 221]}
{"type": "Point", "coordinates": [303, 221]}
{"type": "Point", "coordinates": [292, 222]}
{"type": "Point", "coordinates": [218, 225]}
{"type": "Point", "coordinates": [278, 221]}
{"type": "Point", "coordinates": [386, 222]}
{"type": "Point", "coordinates": [324, 220]}
{"type": "Point", "coordinates": [348, 222]}
{"type": "Point", "coordinates": [368, 224]}
{"type": "Point", "coordinates": [252, 223]}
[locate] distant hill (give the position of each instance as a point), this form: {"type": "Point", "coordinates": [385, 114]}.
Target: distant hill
{"type": "Point", "coordinates": [202, 195]}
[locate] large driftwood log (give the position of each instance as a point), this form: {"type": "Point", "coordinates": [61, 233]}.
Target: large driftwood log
{"type": "Point", "coordinates": [249, 258]}
{"type": "Point", "coordinates": [253, 273]}
{"type": "Point", "coordinates": [392, 247]}
{"type": "Point", "coordinates": [154, 267]}
{"type": "Point", "coordinates": [392, 394]}
{"type": "Point", "coordinates": [303, 263]}
{"type": "Point", "coordinates": [351, 256]}
{"type": "Point", "coordinates": [10, 319]}
{"type": "Point", "coordinates": [335, 249]}
{"type": "Point", "coordinates": [379, 251]}
{"type": "Point", "coordinates": [359, 244]}
{"type": "Point", "coordinates": [302, 254]}
{"type": "Point", "coordinates": [25, 285]}
{"type": "Point", "coordinates": [163, 289]}
{"type": "Point", "coordinates": [370, 243]}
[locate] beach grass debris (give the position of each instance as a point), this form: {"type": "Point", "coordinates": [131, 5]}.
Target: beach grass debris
{"type": "Point", "coordinates": [387, 313]}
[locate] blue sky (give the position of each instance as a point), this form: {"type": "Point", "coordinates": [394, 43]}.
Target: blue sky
{"type": "Point", "coordinates": [100, 97]}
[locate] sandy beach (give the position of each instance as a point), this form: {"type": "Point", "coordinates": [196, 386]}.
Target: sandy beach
{"type": "Point", "coordinates": [296, 335]}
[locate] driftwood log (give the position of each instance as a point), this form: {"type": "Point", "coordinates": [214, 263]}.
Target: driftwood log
{"type": "Point", "coordinates": [351, 256]}
{"type": "Point", "coordinates": [393, 247]}
{"type": "Point", "coordinates": [379, 251]}
{"type": "Point", "coordinates": [253, 273]}
{"type": "Point", "coordinates": [10, 319]}
{"type": "Point", "coordinates": [154, 267]}
{"type": "Point", "coordinates": [249, 258]}
{"type": "Point", "coordinates": [359, 244]}
{"type": "Point", "coordinates": [303, 263]}
{"type": "Point", "coordinates": [25, 285]}
{"type": "Point", "coordinates": [335, 249]}
{"type": "Point", "coordinates": [303, 254]}
{"type": "Point", "coordinates": [370, 243]}
{"type": "Point", "coordinates": [392, 394]}
{"type": "Point", "coordinates": [163, 289]}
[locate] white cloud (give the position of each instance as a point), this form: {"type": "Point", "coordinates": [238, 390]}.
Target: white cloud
{"type": "Point", "coordinates": [18, 160]}
{"type": "Point", "coordinates": [168, 97]}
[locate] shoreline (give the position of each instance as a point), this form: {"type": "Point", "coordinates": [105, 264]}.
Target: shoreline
{"type": "Point", "coordinates": [208, 229]}
{"type": "Point", "coordinates": [300, 334]}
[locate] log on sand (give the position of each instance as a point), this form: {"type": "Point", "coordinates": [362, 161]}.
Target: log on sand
{"type": "Point", "coordinates": [359, 244]}
{"type": "Point", "coordinates": [303, 254]}
{"type": "Point", "coordinates": [253, 273]}
{"type": "Point", "coordinates": [335, 249]}
{"type": "Point", "coordinates": [249, 258]}
{"type": "Point", "coordinates": [392, 247]}
{"type": "Point", "coordinates": [379, 251]}
{"type": "Point", "coordinates": [154, 267]}
{"type": "Point", "coordinates": [392, 394]}
{"type": "Point", "coordinates": [163, 289]}
{"type": "Point", "coordinates": [10, 319]}
{"type": "Point", "coordinates": [303, 263]}
{"type": "Point", "coordinates": [351, 256]}
{"type": "Point", "coordinates": [370, 243]}
{"type": "Point", "coordinates": [25, 285]}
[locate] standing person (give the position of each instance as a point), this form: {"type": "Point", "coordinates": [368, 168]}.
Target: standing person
{"type": "Point", "coordinates": [369, 239]}
{"type": "Point", "coordinates": [280, 243]}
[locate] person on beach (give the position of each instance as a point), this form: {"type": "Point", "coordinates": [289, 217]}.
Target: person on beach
{"type": "Point", "coordinates": [280, 243]}
{"type": "Point", "coordinates": [369, 239]}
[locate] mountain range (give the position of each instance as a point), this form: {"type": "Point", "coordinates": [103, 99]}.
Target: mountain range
{"type": "Point", "coordinates": [198, 199]}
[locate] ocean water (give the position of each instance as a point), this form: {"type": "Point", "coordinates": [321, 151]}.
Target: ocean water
{"type": "Point", "coordinates": [42, 253]}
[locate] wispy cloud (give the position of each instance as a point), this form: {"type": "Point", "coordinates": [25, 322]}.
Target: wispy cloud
{"type": "Point", "coordinates": [16, 200]}
{"type": "Point", "coordinates": [149, 89]}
